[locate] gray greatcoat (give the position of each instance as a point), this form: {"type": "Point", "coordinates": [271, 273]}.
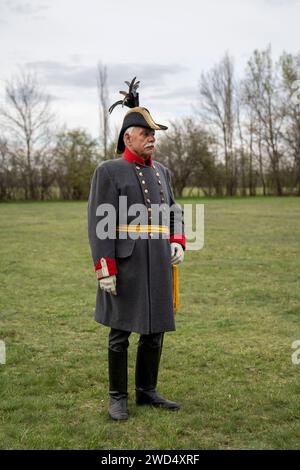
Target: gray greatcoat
{"type": "Point", "coordinates": [143, 303]}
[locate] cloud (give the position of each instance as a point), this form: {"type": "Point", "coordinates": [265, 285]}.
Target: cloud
{"type": "Point", "coordinates": [58, 73]}
{"type": "Point", "coordinates": [178, 94]}
{"type": "Point", "coordinates": [280, 3]}
{"type": "Point", "coordinates": [27, 8]}
{"type": "Point", "coordinates": [53, 97]}
{"type": "Point", "coordinates": [151, 74]}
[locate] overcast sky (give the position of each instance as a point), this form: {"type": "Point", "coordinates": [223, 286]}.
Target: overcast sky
{"type": "Point", "coordinates": [165, 43]}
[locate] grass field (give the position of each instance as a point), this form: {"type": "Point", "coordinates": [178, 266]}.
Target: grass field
{"type": "Point", "coordinates": [228, 364]}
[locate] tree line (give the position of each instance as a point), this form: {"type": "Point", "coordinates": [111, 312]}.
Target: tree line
{"type": "Point", "coordinates": [243, 137]}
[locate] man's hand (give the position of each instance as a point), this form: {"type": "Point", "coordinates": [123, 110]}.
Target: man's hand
{"type": "Point", "coordinates": [109, 284]}
{"type": "Point", "coordinates": [177, 253]}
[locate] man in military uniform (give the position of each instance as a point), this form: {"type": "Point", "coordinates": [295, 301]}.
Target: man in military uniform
{"type": "Point", "coordinates": [134, 267]}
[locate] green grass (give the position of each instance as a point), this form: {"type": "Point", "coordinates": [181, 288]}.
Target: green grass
{"type": "Point", "coordinates": [228, 364]}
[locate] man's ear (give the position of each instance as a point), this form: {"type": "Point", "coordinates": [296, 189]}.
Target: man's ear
{"type": "Point", "coordinates": [126, 138]}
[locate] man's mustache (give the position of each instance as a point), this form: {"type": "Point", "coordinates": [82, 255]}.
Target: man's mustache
{"type": "Point", "coordinates": [148, 145]}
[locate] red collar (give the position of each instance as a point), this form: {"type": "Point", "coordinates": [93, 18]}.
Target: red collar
{"type": "Point", "coordinates": [133, 158]}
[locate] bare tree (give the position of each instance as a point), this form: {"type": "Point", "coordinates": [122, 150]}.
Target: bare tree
{"type": "Point", "coordinates": [217, 92]}
{"type": "Point", "coordinates": [242, 150]}
{"type": "Point", "coordinates": [76, 156]}
{"type": "Point", "coordinates": [262, 95]}
{"type": "Point", "coordinates": [184, 149]}
{"type": "Point", "coordinates": [4, 170]}
{"type": "Point", "coordinates": [27, 121]}
{"type": "Point", "coordinates": [250, 140]}
{"type": "Point", "coordinates": [290, 70]}
{"type": "Point", "coordinates": [103, 107]}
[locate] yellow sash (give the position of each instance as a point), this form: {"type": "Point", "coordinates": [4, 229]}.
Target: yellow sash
{"type": "Point", "coordinates": [175, 276]}
{"type": "Point", "coordinates": [143, 228]}
{"type": "Point", "coordinates": [157, 229]}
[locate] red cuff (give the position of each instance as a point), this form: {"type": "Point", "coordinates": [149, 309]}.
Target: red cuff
{"type": "Point", "coordinates": [178, 239]}
{"type": "Point", "coordinates": [105, 267]}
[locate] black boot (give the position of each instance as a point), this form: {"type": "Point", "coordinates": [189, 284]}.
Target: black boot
{"type": "Point", "coordinates": [146, 372]}
{"type": "Point", "coordinates": [117, 365]}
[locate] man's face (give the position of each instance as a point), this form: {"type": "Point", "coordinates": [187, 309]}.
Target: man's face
{"type": "Point", "coordinates": [141, 141]}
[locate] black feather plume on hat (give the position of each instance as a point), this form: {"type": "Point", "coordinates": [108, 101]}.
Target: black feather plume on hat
{"type": "Point", "coordinates": [131, 97]}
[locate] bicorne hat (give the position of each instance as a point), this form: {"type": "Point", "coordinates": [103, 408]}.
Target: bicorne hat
{"type": "Point", "coordinates": [136, 116]}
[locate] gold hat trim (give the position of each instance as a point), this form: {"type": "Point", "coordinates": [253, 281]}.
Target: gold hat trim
{"type": "Point", "coordinates": [146, 116]}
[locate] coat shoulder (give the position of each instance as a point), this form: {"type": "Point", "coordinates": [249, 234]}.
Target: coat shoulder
{"type": "Point", "coordinates": [112, 165]}
{"type": "Point", "coordinates": [161, 166]}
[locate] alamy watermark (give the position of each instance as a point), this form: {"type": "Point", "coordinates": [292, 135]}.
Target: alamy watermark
{"type": "Point", "coordinates": [2, 352]}
{"type": "Point", "coordinates": [296, 354]}
{"type": "Point", "coordinates": [153, 221]}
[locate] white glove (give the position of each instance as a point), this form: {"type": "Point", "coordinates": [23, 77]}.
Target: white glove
{"type": "Point", "coordinates": [177, 253]}
{"type": "Point", "coordinates": [108, 284]}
